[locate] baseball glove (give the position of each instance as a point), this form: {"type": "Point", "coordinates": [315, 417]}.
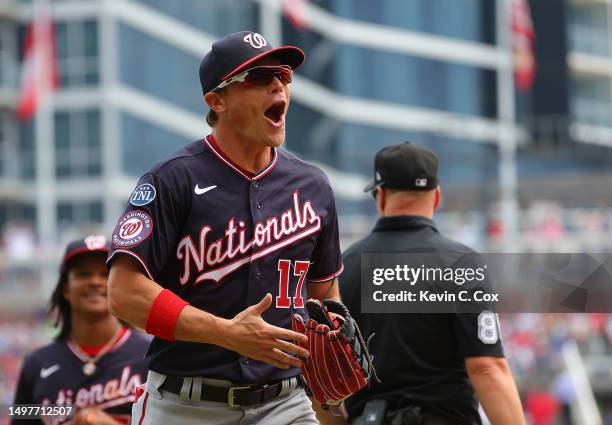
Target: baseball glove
{"type": "Point", "coordinates": [339, 364]}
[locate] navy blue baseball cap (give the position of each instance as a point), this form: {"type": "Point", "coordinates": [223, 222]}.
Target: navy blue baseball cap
{"type": "Point", "coordinates": [235, 53]}
{"type": "Point", "coordinates": [92, 243]}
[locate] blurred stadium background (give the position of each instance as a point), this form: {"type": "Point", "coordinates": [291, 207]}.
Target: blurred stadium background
{"type": "Point", "coordinates": [526, 153]}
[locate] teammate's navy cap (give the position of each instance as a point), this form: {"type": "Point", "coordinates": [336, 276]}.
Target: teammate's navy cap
{"type": "Point", "coordinates": [92, 243]}
{"type": "Point", "coordinates": [235, 52]}
{"type": "Point", "coordinates": [405, 167]}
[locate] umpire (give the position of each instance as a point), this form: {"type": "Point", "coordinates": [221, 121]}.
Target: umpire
{"type": "Point", "coordinates": [425, 361]}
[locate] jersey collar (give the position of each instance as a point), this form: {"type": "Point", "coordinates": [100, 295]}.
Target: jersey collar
{"type": "Point", "coordinates": [93, 350]}
{"type": "Point", "coordinates": [403, 222]}
{"type": "Point", "coordinates": [212, 145]}
{"type": "Point", "coordinates": [123, 337]}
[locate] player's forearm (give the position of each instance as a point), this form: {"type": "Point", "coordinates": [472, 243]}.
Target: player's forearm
{"type": "Point", "coordinates": [132, 294]}
{"type": "Point", "coordinates": [498, 394]}
{"type": "Point", "coordinates": [196, 325]}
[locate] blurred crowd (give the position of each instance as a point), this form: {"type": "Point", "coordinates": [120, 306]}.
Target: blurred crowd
{"type": "Point", "coordinates": [534, 346]}
{"type": "Point", "coordinates": [534, 341]}
{"type": "Point", "coordinates": [546, 227]}
{"type": "Point", "coordinates": [18, 337]}
{"type": "Point", "coordinates": [543, 227]}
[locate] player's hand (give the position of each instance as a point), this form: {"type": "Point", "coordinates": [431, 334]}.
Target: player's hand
{"type": "Point", "coordinates": [92, 416]}
{"type": "Point", "coordinates": [251, 336]}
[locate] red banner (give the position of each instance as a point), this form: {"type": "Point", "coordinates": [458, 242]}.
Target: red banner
{"type": "Point", "coordinates": [39, 73]}
{"type": "Point", "coordinates": [523, 39]}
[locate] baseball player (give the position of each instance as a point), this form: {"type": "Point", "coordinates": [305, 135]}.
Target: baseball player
{"type": "Point", "coordinates": [425, 361]}
{"type": "Point", "coordinates": [95, 363]}
{"type": "Point", "coordinates": [220, 244]}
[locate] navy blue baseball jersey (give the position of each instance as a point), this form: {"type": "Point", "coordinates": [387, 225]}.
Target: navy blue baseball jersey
{"type": "Point", "coordinates": [54, 375]}
{"type": "Point", "coordinates": [221, 238]}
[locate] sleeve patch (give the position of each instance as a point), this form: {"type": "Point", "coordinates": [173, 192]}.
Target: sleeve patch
{"type": "Point", "coordinates": [488, 327]}
{"type": "Point", "coordinates": [132, 228]}
{"type": "Point", "coordinates": [143, 195]}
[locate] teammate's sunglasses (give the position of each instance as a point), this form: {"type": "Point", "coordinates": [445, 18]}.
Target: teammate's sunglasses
{"type": "Point", "coordinates": [260, 75]}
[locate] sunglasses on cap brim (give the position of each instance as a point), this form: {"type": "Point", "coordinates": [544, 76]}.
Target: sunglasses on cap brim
{"type": "Point", "coordinates": [260, 75]}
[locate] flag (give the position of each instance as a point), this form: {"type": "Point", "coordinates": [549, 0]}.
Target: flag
{"type": "Point", "coordinates": [39, 72]}
{"type": "Point", "coordinates": [523, 39]}
{"type": "Point", "coordinates": [295, 12]}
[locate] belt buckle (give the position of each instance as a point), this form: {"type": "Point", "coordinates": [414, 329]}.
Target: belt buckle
{"type": "Point", "coordinates": [230, 395]}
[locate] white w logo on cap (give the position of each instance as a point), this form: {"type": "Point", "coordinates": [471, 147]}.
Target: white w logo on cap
{"type": "Point", "coordinates": [95, 242]}
{"type": "Point", "coordinates": [256, 40]}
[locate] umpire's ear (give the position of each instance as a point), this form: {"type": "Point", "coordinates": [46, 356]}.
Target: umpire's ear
{"type": "Point", "coordinates": [438, 197]}
{"type": "Point", "coordinates": [215, 101]}
{"type": "Point", "coordinates": [381, 200]}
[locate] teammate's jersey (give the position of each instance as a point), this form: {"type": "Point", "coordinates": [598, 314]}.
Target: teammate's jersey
{"type": "Point", "coordinates": [419, 358]}
{"type": "Point", "coordinates": [221, 238]}
{"type": "Point", "coordinates": [54, 375]}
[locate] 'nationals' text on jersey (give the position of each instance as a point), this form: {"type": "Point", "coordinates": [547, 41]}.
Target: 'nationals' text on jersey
{"type": "Point", "coordinates": [54, 375]}
{"type": "Point", "coordinates": [221, 238]}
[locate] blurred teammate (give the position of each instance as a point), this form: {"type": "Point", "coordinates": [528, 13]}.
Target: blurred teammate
{"type": "Point", "coordinates": [95, 363]}
{"type": "Point", "coordinates": [423, 360]}
{"type": "Point", "coordinates": [220, 244]}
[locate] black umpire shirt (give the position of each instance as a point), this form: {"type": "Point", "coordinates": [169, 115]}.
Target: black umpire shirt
{"type": "Point", "coordinates": [419, 358]}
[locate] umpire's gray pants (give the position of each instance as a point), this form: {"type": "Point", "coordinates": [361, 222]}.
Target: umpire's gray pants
{"type": "Point", "coordinates": [159, 407]}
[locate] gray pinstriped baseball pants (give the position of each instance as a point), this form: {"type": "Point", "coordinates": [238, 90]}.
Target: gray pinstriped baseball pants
{"type": "Point", "coordinates": [156, 407]}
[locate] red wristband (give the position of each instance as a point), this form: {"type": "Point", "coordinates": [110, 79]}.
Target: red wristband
{"type": "Point", "coordinates": [164, 314]}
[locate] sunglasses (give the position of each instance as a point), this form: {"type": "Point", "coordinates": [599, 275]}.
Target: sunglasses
{"type": "Point", "coordinates": [260, 75]}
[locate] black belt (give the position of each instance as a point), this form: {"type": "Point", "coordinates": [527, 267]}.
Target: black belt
{"type": "Point", "coordinates": [233, 396]}
{"type": "Point", "coordinates": [378, 411]}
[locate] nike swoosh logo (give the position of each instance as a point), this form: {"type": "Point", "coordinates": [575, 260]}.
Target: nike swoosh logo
{"type": "Point", "coordinates": [199, 191]}
{"type": "Point", "coordinates": [46, 372]}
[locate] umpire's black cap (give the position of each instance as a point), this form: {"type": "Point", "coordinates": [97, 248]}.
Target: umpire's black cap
{"type": "Point", "coordinates": [235, 52]}
{"type": "Point", "coordinates": [405, 166]}
{"type": "Point", "coordinates": [92, 243]}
